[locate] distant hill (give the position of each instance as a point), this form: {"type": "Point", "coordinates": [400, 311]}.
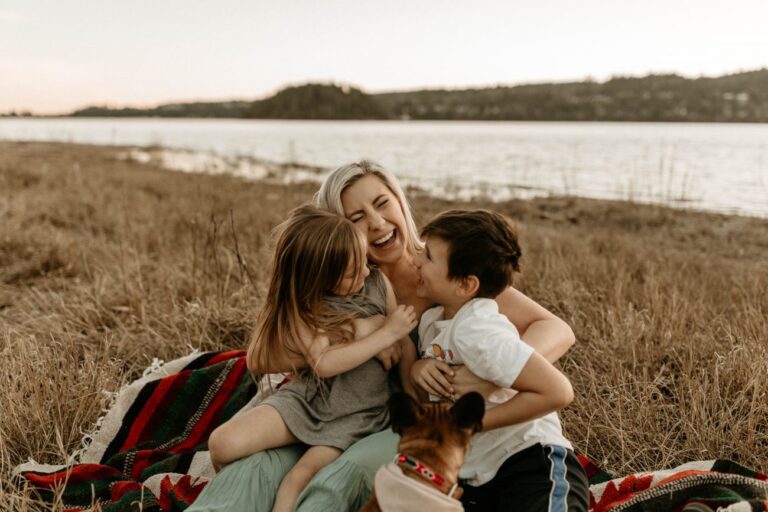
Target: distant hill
{"type": "Point", "coordinates": [741, 97]}
{"type": "Point", "coordinates": [318, 101]}
{"type": "Point", "coordinates": [310, 101]}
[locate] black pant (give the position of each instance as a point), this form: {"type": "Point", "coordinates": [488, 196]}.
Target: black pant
{"type": "Point", "coordinates": [539, 478]}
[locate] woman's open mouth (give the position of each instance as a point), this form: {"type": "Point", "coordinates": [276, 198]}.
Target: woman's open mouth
{"type": "Point", "coordinates": [386, 241]}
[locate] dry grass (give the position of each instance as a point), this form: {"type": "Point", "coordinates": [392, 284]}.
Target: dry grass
{"type": "Point", "coordinates": [105, 264]}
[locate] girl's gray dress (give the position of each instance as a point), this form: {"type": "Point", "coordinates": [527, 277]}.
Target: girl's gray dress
{"type": "Point", "coordinates": [343, 409]}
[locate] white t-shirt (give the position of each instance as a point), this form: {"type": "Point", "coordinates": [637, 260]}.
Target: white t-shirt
{"type": "Point", "coordinates": [488, 344]}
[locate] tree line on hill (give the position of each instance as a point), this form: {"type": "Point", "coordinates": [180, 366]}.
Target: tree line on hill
{"type": "Point", "coordinates": [741, 97]}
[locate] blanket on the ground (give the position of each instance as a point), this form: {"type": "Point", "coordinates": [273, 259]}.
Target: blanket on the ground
{"type": "Point", "coordinates": [149, 452]}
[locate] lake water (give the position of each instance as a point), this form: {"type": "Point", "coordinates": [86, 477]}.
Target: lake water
{"type": "Point", "coordinates": [718, 167]}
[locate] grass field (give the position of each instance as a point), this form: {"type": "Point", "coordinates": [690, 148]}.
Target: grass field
{"type": "Point", "coordinates": [107, 263]}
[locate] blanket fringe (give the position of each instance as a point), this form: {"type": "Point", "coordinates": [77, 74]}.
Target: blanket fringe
{"type": "Point", "coordinates": [34, 466]}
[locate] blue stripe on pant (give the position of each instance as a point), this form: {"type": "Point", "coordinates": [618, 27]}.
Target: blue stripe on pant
{"type": "Point", "coordinates": [557, 475]}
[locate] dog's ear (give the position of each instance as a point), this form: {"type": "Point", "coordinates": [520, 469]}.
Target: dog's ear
{"type": "Point", "coordinates": [469, 410]}
{"type": "Point", "coordinates": [404, 411]}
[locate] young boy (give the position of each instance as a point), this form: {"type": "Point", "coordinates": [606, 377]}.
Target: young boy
{"type": "Point", "coordinates": [520, 460]}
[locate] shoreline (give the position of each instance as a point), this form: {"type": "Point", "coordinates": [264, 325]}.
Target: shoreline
{"type": "Point", "coordinates": [547, 207]}
{"type": "Point", "coordinates": [254, 169]}
{"type": "Point", "coordinates": [179, 160]}
{"type": "Point", "coordinates": [706, 167]}
{"type": "Point", "coordinates": [537, 121]}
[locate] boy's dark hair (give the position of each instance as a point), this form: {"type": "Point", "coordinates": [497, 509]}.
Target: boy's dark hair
{"type": "Point", "coordinates": [481, 243]}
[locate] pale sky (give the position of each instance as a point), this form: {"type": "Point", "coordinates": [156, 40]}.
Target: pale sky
{"type": "Point", "coordinates": [58, 55]}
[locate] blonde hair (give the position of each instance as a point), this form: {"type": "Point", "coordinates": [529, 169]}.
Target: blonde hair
{"type": "Point", "coordinates": [313, 251]}
{"type": "Point", "coordinates": [329, 195]}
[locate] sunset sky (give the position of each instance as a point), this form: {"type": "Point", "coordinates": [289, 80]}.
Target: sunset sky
{"type": "Point", "coordinates": [56, 56]}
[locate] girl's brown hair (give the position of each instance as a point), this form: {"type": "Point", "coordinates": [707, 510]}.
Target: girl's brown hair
{"type": "Point", "coordinates": [313, 251]}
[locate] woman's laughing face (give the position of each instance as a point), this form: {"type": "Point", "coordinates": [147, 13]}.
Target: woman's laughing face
{"type": "Point", "coordinates": [377, 213]}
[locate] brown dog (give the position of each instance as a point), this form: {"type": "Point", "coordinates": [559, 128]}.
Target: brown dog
{"type": "Point", "coordinates": [434, 439]}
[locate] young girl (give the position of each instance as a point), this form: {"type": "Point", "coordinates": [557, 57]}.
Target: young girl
{"type": "Point", "coordinates": [323, 317]}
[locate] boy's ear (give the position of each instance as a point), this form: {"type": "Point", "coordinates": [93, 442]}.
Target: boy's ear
{"type": "Point", "coordinates": [468, 286]}
{"type": "Point", "coordinates": [404, 412]}
{"type": "Point", "coordinates": [469, 410]}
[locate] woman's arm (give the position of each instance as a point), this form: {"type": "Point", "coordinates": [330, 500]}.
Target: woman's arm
{"type": "Point", "coordinates": [538, 327]}
{"type": "Point", "coordinates": [391, 355]}
{"type": "Point", "coordinates": [404, 367]}
{"type": "Point", "coordinates": [406, 350]}
{"type": "Point", "coordinates": [541, 389]}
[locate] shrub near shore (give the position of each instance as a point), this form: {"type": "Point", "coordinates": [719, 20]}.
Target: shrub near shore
{"type": "Point", "coordinates": [106, 264]}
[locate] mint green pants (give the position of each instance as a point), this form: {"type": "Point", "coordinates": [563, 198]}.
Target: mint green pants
{"type": "Point", "coordinates": [250, 484]}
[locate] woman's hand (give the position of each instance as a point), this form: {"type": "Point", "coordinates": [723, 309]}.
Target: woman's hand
{"type": "Point", "coordinates": [463, 381]}
{"type": "Point", "coordinates": [432, 375]}
{"type": "Point", "coordinates": [390, 356]}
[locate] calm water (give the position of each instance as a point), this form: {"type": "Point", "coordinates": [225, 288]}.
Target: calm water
{"type": "Point", "coordinates": [720, 167]}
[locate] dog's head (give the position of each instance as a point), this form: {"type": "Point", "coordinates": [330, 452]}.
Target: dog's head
{"type": "Point", "coordinates": [437, 434]}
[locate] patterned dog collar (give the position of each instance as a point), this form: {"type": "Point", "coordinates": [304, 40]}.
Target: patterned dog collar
{"type": "Point", "coordinates": [424, 471]}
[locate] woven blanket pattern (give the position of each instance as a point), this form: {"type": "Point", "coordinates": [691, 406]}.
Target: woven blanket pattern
{"type": "Point", "coordinates": [719, 485]}
{"type": "Point", "coordinates": [149, 452]}
{"type": "Point", "coordinates": [150, 449]}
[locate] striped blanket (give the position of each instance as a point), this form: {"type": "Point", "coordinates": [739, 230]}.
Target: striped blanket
{"type": "Point", "coordinates": [149, 452]}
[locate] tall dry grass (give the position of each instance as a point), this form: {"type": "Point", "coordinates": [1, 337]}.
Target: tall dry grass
{"type": "Point", "coordinates": [106, 264]}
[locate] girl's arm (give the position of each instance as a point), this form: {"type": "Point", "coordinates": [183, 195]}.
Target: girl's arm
{"type": "Point", "coordinates": [348, 357]}
{"type": "Point", "coordinates": [541, 389]}
{"type": "Point", "coordinates": [538, 327]}
{"type": "Point", "coordinates": [328, 360]}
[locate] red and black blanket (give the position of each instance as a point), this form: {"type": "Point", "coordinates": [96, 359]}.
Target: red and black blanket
{"type": "Point", "coordinates": [149, 452]}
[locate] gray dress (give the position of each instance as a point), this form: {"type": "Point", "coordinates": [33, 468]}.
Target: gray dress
{"type": "Point", "coordinates": [340, 410]}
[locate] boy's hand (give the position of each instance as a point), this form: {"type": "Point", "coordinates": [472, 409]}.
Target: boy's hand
{"type": "Point", "coordinates": [432, 376]}
{"type": "Point", "coordinates": [400, 322]}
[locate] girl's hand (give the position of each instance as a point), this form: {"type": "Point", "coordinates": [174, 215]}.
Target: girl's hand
{"type": "Point", "coordinates": [432, 376]}
{"type": "Point", "coordinates": [400, 322]}
{"type": "Point", "coordinates": [464, 381]}
{"type": "Point", "coordinates": [367, 326]}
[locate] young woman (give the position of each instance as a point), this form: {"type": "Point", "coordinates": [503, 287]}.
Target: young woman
{"type": "Point", "coordinates": [370, 196]}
